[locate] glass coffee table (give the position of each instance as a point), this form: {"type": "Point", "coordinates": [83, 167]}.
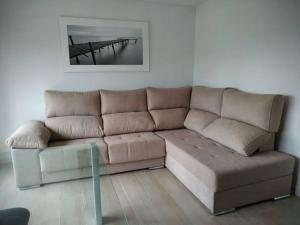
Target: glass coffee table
{"type": "Point", "coordinates": [101, 202]}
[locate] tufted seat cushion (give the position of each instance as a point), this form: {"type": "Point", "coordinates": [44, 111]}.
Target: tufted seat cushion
{"type": "Point", "coordinates": [134, 147]}
{"type": "Point", "coordinates": [71, 154]}
{"type": "Point", "coordinates": [220, 168]}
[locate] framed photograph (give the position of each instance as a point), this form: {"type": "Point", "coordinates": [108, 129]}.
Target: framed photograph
{"type": "Point", "coordinates": [92, 45]}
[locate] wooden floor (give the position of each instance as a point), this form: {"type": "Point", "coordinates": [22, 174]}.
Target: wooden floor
{"type": "Point", "coordinates": [147, 197]}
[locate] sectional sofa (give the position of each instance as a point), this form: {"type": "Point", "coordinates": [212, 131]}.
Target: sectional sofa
{"type": "Point", "coordinates": [219, 142]}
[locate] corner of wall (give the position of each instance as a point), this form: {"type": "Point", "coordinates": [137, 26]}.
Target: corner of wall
{"type": "Point", "coordinates": [195, 43]}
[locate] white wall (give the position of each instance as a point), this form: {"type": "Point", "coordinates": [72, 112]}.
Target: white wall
{"type": "Point", "coordinates": [30, 54]}
{"type": "Point", "coordinates": [255, 46]}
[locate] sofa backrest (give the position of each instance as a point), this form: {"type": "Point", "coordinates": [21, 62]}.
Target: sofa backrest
{"type": "Point", "coordinates": [168, 106]}
{"type": "Point", "coordinates": [73, 115]}
{"type": "Point", "coordinates": [205, 107]}
{"type": "Point", "coordinates": [260, 110]}
{"type": "Point", "coordinates": [62, 103]}
{"type": "Point", "coordinates": [242, 121]}
{"type": "Point", "coordinates": [125, 112]}
{"type": "Point", "coordinates": [248, 121]}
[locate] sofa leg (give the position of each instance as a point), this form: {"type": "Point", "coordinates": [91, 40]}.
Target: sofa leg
{"type": "Point", "coordinates": [224, 212]}
{"type": "Point", "coordinates": [30, 187]}
{"type": "Point", "coordinates": [281, 197]}
{"type": "Point", "coordinates": [156, 167]}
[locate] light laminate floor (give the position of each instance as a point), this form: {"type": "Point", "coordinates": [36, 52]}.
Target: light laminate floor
{"type": "Point", "coordinates": [147, 197]}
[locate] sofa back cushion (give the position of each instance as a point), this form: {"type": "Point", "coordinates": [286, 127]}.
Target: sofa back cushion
{"type": "Point", "coordinates": [241, 137]}
{"type": "Point", "coordinates": [168, 98]}
{"type": "Point", "coordinates": [73, 115]}
{"type": "Point", "coordinates": [129, 122]}
{"type": "Point", "coordinates": [205, 107]}
{"type": "Point", "coordinates": [123, 101]}
{"type": "Point", "coordinates": [260, 110]}
{"type": "Point", "coordinates": [197, 120]}
{"type": "Point", "coordinates": [207, 99]}
{"type": "Point", "coordinates": [74, 127]}
{"type": "Point", "coordinates": [168, 106]}
{"type": "Point", "coordinates": [125, 112]}
{"type": "Point", "coordinates": [61, 103]}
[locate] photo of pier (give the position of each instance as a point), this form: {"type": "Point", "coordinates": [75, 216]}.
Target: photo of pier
{"type": "Point", "coordinates": [91, 45]}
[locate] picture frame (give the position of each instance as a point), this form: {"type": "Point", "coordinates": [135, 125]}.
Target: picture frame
{"type": "Point", "coordinates": [96, 45]}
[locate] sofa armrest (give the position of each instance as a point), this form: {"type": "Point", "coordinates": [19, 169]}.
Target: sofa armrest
{"type": "Point", "coordinates": [27, 168]}
{"type": "Point", "coordinates": [32, 135]}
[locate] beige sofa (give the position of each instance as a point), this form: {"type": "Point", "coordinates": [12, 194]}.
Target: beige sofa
{"type": "Point", "coordinates": [218, 142]}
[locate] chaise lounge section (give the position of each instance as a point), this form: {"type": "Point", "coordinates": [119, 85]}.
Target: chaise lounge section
{"type": "Point", "coordinates": [219, 142]}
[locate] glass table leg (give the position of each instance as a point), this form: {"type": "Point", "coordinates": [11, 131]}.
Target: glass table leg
{"type": "Point", "coordinates": [96, 183]}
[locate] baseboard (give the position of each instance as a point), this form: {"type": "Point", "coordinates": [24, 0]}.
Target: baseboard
{"type": "Point", "coordinates": [5, 157]}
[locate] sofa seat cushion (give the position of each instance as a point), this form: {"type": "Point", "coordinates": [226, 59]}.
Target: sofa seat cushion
{"type": "Point", "coordinates": [71, 154]}
{"type": "Point", "coordinates": [134, 147]}
{"type": "Point", "coordinates": [197, 120]}
{"type": "Point", "coordinates": [241, 137]}
{"type": "Point", "coordinates": [74, 127]}
{"type": "Point", "coordinates": [220, 168]}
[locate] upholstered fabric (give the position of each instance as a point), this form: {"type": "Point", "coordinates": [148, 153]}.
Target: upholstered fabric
{"type": "Point", "coordinates": [123, 101]}
{"type": "Point", "coordinates": [220, 201]}
{"type": "Point", "coordinates": [197, 120]}
{"type": "Point", "coordinates": [269, 145]}
{"type": "Point", "coordinates": [122, 123]}
{"type": "Point", "coordinates": [27, 169]}
{"type": "Point", "coordinates": [103, 157]}
{"type": "Point", "coordinates": [125, 112]}
{"type": "Point", "coordinates": [50, 177]}
{"type": "Point", "coordinates": [32, 134]}
{"type": "Point", "coordinates": [260, 110]}
{"type": "Point", "coordinates": [166, 119]}
{"type": "Point", "coordinates": [168, 98]}
{"type": "Point", "coordinates": [74, 154]}
{"type": "Point", "coordinates": [241, 137]}
{"type": "Point", "coordinates": [74, 127]}
{"type": "Point", "coordinates": [252, 193]}
{"type": "Point", "coordinates": [134, 147]}
{"type": "Point", "coordinates": [220, 168]}
{"type": "Point", "coordinates": [207, 99]}
{"type": "Point", "coordinates": [59, 103]}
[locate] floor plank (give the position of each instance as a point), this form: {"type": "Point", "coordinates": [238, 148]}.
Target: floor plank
{"type": "Point", "coordinates": [145, 197]}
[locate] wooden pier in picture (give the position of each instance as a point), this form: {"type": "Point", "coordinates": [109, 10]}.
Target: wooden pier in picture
{"type": "Point", "coordinates": [76, 50]}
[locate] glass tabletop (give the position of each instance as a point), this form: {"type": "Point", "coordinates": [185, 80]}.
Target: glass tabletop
{"type": "Point", "coordinates": [100, 202]}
